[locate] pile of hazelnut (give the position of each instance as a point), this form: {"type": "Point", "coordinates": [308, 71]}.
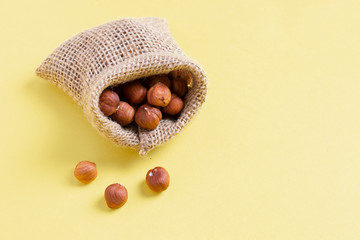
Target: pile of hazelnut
{"type": "Point", "coordinates": [146, 100]}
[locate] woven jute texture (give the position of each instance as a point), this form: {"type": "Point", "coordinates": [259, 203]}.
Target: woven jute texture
{"type": "Point", "coordinates": [115, 53]}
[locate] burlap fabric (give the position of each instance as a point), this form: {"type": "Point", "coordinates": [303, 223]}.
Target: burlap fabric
{"type": "Point", "coordinates": [115, 53]}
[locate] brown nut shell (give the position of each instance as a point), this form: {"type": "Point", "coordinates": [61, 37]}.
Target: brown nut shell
{"type": "Point", "coordinates": [158, 179]}
{"type": "Point", "coordinates": [175, 106]}
{"type": "Point", "coordinates": [185, 75]}
{"type": "Point", "coordinates": [115, 195]}
{"type": "Point", "coordinates": [182, 74]}
{"type": "Point", "coordinates": [125, 114]}
{"type": "Point", "coordinates": [85, 171]}
{"type": "Point", "coordinates": [179, 86]}
{"type": "Point", "coordinates": [109, 100]}
{"type": "Point", "coordinates": [173, 74]}
{"type": "Point", "coordinates": [160, 78]}
{"type": "Point", "coordinates": [133, 92]}
{"type": "Point", "coordinates": [159, 95]}
{"type": "Point", "coordinates": [148, 116]}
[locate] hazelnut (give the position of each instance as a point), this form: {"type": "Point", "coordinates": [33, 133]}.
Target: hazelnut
{"type": "Point", "coordinates": [160, 78]}
{"type": "Point", "coordinates": [116, 195]}
{"type": "Point", "coordinates": [159, 95]}
{"type": "Point", "coordinates": [85, 171]}
{"type": "Point", "coordinates": [179, 86]}
{"type": "Point", "coordinates": [134, 92]}
{"type": "Point", "coordinates": [109, 100]}
{"type": "Point", "coordinates": [125, 114]}
{"type": "Point", "coordinates": [158, 179]}
{"type": "Point", "coordinates": [148, 116]}
{"type": "Point", "coordinates": [173, 74]}
{"type": "Point", "coordinates": [175, 105]}
{"type": "Point", "coordinates": [185, 75]}
{"type": "Point", "coordinates": [182, 74]}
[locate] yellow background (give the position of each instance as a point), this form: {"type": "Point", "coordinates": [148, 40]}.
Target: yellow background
{"type": "Point", "coordinates": [273, 154]}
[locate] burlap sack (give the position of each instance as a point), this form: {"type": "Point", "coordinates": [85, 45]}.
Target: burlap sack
{"type": "Point", "coordinates": [115, 53]}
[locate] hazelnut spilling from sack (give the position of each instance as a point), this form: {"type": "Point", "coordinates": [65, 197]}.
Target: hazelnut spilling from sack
{"type": "Point", "coordinates": [126, 50]}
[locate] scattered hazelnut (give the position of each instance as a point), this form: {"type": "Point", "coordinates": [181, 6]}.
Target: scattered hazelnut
{"type": "Point", "coordinates": [148, 116]}
{"type": "Point", "coordinates": [175, 105]}
{"type": "Point", "coordinates": [159, 95]}
{"type": "Point", "coordinates": [179, 86]}
{"type": "Point", "coordinates": [116, 195]}
{"type": "Point", "coordinates": [134, 92]}
{"type": "Point", "coordinates": [125, 114]}
{"type": "Point", "coordinates": [85, 171]}
{"type": "Point", "coordinates": [160, 78]}
{"type": "Point", "coordinates": [109, 100]}
{"type": "Point", "coordinates": [158, 179]}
